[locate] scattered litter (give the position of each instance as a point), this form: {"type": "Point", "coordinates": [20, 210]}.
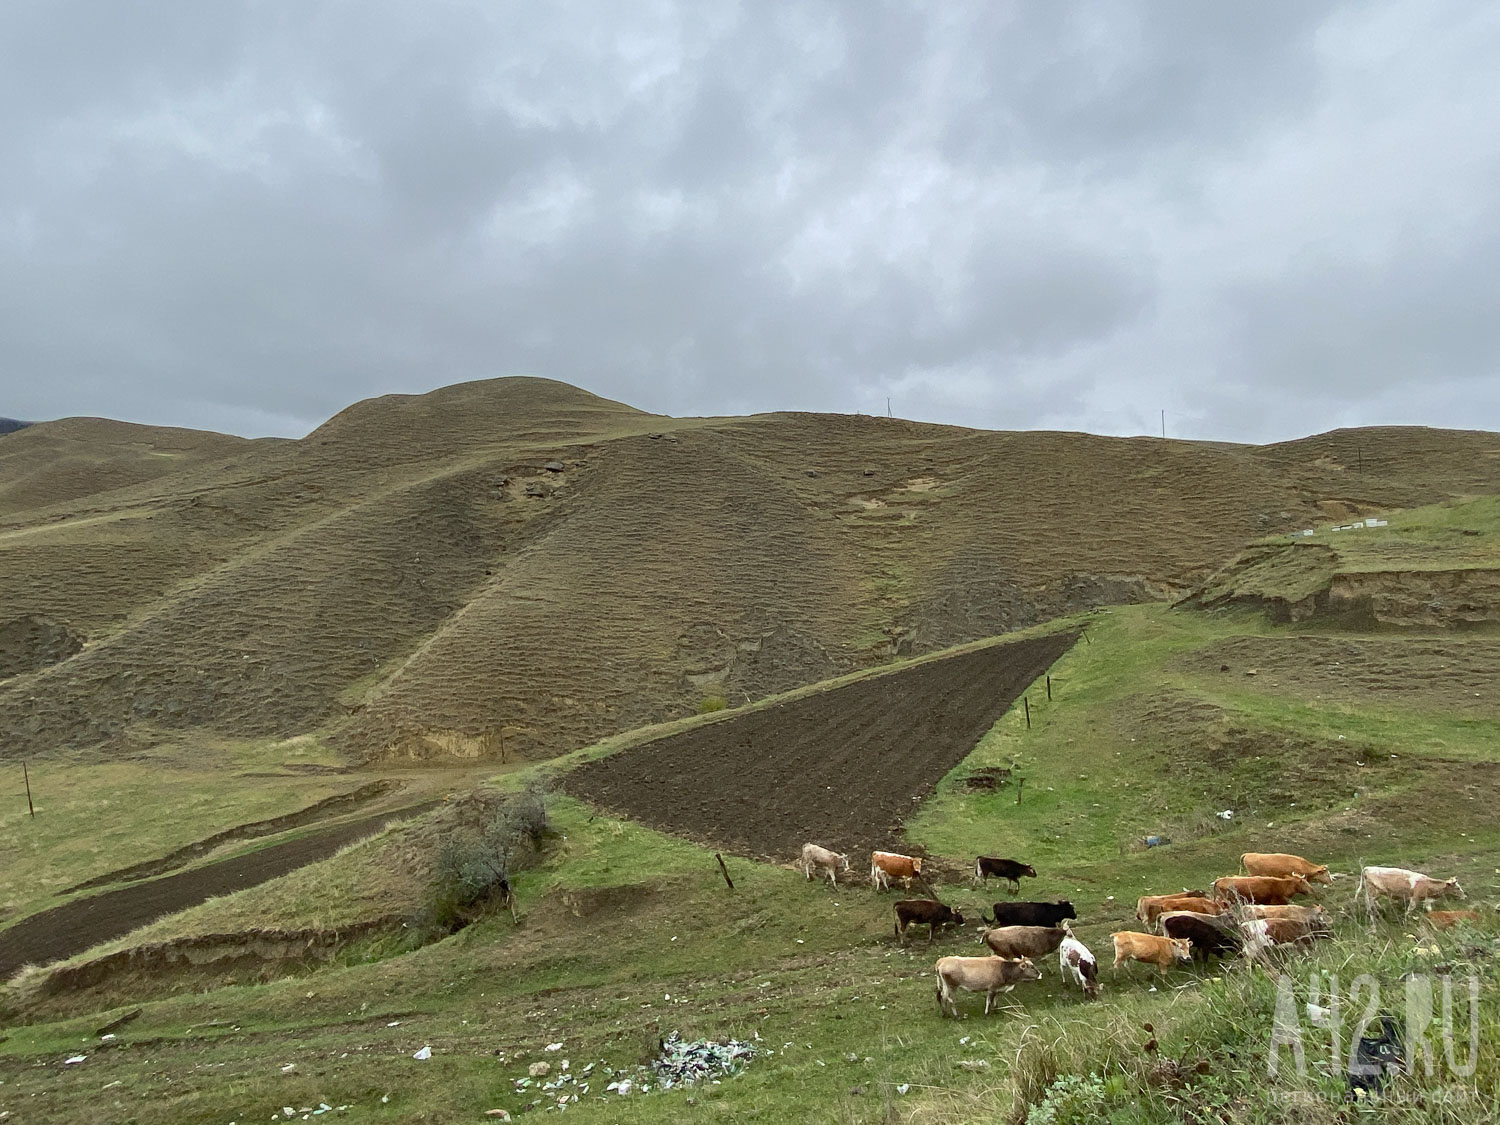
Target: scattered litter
{"type": "Point", "coordinates": [289, 1111]}
{"type": "Point", "coordinates": [905, 1086]}
{"type": "Point", "coordinates": [974, 1064]}
{"type": "Point", "coordinates": [964, 1040]}
{"type": "Point", "coordinates": [539, 1069]}
{"type": "Point", "coordinates": [74, 1059]}
{"type": "Point", "coordinates": [621, 1087]}
{"type": "Point", "coordinates": [394, 1023]}
{"type": "Point", "coordinates": [1157, 841]}
{"type": "Point", "coordinates": [288, 1068]}
{"type": "Point", "coordinates": [107, 1037]}
{"type": "Point", "coordinates": [682, 1063]}
{"type": "Point", "coordinates": [553, 1047]}
{"type": "Point", "coordinates": [424, 1053]}
{"type": "Point", "coordinates": [1226, 814]}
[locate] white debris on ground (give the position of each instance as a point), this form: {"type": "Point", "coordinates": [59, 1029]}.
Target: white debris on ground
{"type": "Point", "coordinates": [681, 1063]}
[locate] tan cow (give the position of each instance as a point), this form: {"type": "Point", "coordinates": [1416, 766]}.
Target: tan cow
{"type": "Point", "coordinates": [1312, 914]}
{"type": "Point", "coordinates": [1150, 907]}
{"type": "Point", "coordinates": [1264, 890]}
{"type": "Point", "coordinates": [988, 975]}
{"type": "Point", "coordinates": [1263, 933]}
{"type": "Point", "coordinates": [1283, 864]}
{"type": "Point", "coordinates": [1410, 887]}
{"type": "Point", "coordinates": [823, 860]}
{"type": "Point", "coordinates": [1150, 949]}
{"type": "Point", "coordinates": [1023, 941]}
{"type": "Point", "coordinates": [885, 866]}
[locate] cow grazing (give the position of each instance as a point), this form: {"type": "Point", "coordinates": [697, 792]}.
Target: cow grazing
{"type": "Point", "coordinates": [1264, 890]}
{"type": "Point", "coordinates": [1031, 913]}
{"type": "Point", "coordinates": [1401, 885]}
{"type": "Point", "coordinates": [1078, 965]}
{"type": "Point", "coordinates": [885, 866]}
{"type": "Point", "coordinates": [1263, 933]}
{"type": "Point", "coordinates": [1283, 864]}
{"type": "Point", "coordinates": [1447, 919]}
{"type": "Point", "coordinates": [1012, 871]}
{"type": "Point", "coordinates": [1150, 949]}
{"type": "Point", "coordinates": [1211, 935]}
{"type": "Point", "coordinates": [924, 912]}
{"type": "Point", "coordinates": [823, 860]}
{"type": "Point", "coordinates": [980, 974]}
{"type": "Point", "coordinates": [1296, 913]}
{"type": "Point", "coordinates": [1023, 941]}
{"type": "Point", "coordinates": [1150, 907]}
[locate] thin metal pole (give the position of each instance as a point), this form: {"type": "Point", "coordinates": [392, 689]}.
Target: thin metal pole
{"type": "Point", "coordinates": [27, 775]}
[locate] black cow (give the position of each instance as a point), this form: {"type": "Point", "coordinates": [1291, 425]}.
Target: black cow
{"type": "Point", "coordinates": [924, 912]}
{"type": "Point", "coordinates": [1008, 869]}
{"type": "Point", "coordinates": [1210, 938]}
{"type": "Point", "coordinates": [1031, 913]}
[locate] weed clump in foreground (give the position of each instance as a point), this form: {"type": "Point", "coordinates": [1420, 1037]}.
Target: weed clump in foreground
{"type": "Point", "coordinates": [1280, 1043]}
{"type": "Point", "coordinates": [472, 874]}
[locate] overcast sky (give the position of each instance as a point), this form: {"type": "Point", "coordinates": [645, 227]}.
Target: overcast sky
{"type": "Point", "coordinates": [1267, 219]}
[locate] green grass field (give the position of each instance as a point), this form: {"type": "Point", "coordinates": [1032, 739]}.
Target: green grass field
{"type": "Point", "coordinates": [628, 934]}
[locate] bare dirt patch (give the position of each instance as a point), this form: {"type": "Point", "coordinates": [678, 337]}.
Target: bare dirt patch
{"type": "Point", "coordinates": [843, 767]}
{"type": "Point", "coordinates": [75, 926]}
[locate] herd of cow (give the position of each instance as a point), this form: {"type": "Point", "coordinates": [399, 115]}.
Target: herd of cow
{"type": "Point", "coordinates": [1241, 915]}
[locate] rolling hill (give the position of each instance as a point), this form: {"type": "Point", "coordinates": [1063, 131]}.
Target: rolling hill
{"type": "Point", "coordinates": [519, 567]}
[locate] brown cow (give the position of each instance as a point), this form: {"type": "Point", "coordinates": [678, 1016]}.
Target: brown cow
{"type": "Point", "coordinates": [1148, 908]}
{"type": "Point", "coordinates": [1447, 919]}
{"type": "Point", "coordinates": [885, 866]}
{"type": "Point", "coordinates": [1023, 941]}
{"type": "Point", "coordinates": [1265, 890]}
{"type": "Point", "coordinates": [1283, 864]}
{"type": "Point", "coordinates": [1315, 914]}
{"type": "Point", "coordinates": [980, 974]}
{"type": "Point", "coordinates": [1262, 933]}
{"type": "Point", "coordinates": [924, 912]}
{"type": "Point", "coordinates": [1150, 949]}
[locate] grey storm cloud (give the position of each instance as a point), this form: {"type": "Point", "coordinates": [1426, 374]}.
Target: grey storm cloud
{"type": "Point", "coordinates": [1265, 219]}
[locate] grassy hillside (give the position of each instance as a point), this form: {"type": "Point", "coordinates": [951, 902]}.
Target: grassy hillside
{"type": "Point", "coordinates": [1432, 565]}
{"type": "Point", "coordinates": [628, 934]}
{"type": "Point", "coordinates": [413, 581]}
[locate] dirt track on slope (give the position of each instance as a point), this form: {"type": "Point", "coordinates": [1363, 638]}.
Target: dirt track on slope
{"type": "Point", "coordinates": [841, 767]}
{"type": "Point", "coordinates": [78, 925]}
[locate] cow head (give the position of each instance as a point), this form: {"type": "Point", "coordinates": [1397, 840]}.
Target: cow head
{"type": "Point", "coordinates": [916, 864]}
{"type": "Point", "coordinates": [1027, 970]}
{"type": "Point", "coordinates": [1067, 908]}
{"type": "Point", "coordinates": [956, 917]}
{"type": "Point", "coordinates": [843, 863]}
{"type": "Point", "coordinates": [1027, 869]}
{"type": "Point", "coordinates": [1320, 875]}
{"type": "Point", "coordinates": [1182, 949]}
{"type": "Point", "coordinates": [1450, 886]}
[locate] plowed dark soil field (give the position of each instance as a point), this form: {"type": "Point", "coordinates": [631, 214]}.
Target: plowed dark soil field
{"type": "Point", "coordinates": [842, 767]}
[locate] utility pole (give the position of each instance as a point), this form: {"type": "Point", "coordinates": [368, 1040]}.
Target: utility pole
{"type": "Point", "coordinates": [1163, 423]}
{"type": "Point", "coordinates": [888, 406]}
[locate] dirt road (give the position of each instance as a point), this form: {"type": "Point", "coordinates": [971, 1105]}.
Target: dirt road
{"type": "Point", "coordinates": [75, 926]}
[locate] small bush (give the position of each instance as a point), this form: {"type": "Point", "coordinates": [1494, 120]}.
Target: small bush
{"type": "Point", "coordinates": [473, 871]}
{"type": "Point", "coordinates": [711, 703]}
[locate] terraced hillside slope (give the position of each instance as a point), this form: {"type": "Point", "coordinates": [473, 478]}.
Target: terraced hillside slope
{"type": "Point", "coordinates": [1434, 566]}
{"type": "Point", "coordinates": [518, 567]}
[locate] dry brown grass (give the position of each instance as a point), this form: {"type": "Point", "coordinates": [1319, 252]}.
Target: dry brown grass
{"type": "Point", "coordinates": [388, 579]}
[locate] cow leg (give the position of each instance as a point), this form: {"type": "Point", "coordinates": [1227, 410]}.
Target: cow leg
{"type": "Point", "coordinates": [989, 998]}
{"type": "Point", "coordinates": [833, 876]}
